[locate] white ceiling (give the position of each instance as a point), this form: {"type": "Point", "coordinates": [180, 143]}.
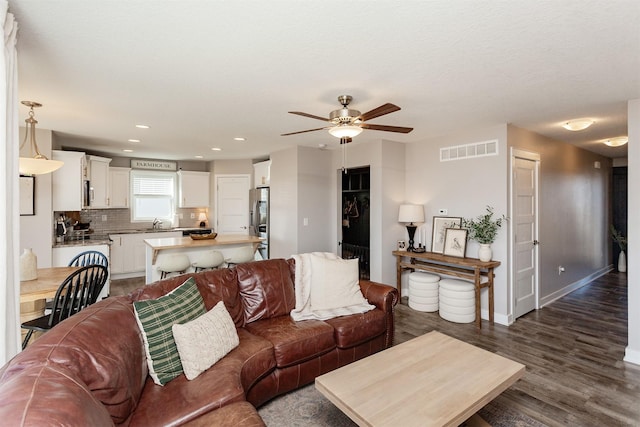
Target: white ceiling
{"type": "Point", "coordinates": [202, 72]}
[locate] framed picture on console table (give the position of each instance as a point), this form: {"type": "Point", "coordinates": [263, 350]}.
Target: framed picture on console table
{"type": "Point", "coordinates": [440, 225]}
{"type": "Point", "coordinates": [455, 242]}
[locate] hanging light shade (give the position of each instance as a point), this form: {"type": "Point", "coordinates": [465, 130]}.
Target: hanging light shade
{"type": "Point", "coordinates": [38, 163]}
{"type": "Point", "coordinates": [345, 131]}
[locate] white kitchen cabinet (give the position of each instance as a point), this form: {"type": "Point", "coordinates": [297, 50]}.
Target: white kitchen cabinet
{"type": "Point", "coordinates": [193, 189]}
{"type": "Point", "coordinates": [61, 256]}
{"type": "Point", "coordinates": [262, 174]}
{"type": "Point", "coordinates": [68, 181]}
{"type": "Point", "coordinates": [119, 187]}
{"type": "Point", "coordinates": [99, 182]}
{"type": "Point", "coordinates": [128, 252]}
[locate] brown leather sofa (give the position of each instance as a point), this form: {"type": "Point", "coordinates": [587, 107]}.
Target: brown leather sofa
{"type": "Point", "coordinates": [91, 369]}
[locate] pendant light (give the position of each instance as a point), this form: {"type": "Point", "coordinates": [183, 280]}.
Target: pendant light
{"type": "Point", "coordinates": [38, 163]}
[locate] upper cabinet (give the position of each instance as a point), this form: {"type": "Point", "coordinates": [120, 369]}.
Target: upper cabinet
{"type": "Point", "coordinates": [261, 174]}
{"type": "Point", "coordinates": [67, 183]}
{"type": "Point", "coordinates": [98, 182]}
{"type": "Point", "coordinates": [119, 187]}
{"type": "Point", "coordinates": [193, 189]}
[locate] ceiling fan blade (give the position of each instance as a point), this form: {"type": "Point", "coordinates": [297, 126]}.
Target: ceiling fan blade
{"type": "Point", "coordinates": [399, 129]}
{"type": "Point", "coordinates": [311, 116]}
{"type": "Point", "coordinates": [380, 111]}
{"type": "Point", "coordinates": [302, 131]}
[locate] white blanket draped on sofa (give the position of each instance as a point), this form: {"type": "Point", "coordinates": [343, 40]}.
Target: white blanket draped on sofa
{"type": "Point", "coordinates": [327, 286]}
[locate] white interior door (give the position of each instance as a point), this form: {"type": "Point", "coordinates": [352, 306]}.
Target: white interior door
{"type": "Point", "coordinates": [525, 231]}
{"type": "Point", "coordinates": [232, 204]}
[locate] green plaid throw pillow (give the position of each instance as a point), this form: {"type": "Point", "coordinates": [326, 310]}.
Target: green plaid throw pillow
{"type": "Point", "coordinates": [155, 319]}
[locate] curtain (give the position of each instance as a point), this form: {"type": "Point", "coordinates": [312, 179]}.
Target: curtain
{"type": "Point", "coordinates": [9, 197]}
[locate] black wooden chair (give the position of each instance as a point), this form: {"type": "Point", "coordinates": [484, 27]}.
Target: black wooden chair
{"type": "Point", "coordinates": [79, 290]}
{"type": "Point", "coordinates": [89, 258]}
{"type": "Point", "coordinates": [84, 259]}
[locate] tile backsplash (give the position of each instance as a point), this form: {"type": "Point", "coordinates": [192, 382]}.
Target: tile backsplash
{"type": "Point", "coordinates": [120, 219]}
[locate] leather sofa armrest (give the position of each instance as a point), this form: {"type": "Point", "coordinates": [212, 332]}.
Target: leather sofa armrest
{"type": "Point", "coordinates": [384, 297]}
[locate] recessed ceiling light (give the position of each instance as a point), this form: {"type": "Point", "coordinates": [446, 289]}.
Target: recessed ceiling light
{"type": "Point", "coordinates": [616, 142]}
{"type": "Point", "coordinates": [142, 126]}
{"type": "Point", "coordinates": [239, 138]}
{"type": "Point", "coordinates": [216, 149]}
{"type": "Point", "coordinates": [578, 124]}
{"type": "Point", "coordinates": [199, 157]}
{"type": "Point", "coordinates": [133, 140]}
{"type": "Point", "coordinates": [128, 150]}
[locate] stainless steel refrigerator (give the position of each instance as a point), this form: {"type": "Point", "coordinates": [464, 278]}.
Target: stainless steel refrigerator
{"type": "Point", "coordinates": [259, 202]}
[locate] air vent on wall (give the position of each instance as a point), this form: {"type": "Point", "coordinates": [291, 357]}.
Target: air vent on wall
{"type": "Point", "coordinates": [467, 151]}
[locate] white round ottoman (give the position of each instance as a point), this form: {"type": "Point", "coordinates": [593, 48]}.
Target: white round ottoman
{"type": "Point", "coordinates": [423, 291]}
{"type": "Point", "coordinates": [457, 301]}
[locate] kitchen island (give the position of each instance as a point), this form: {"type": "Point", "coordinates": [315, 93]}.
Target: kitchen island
{"type": "Point", "coordinates": [156, 249]}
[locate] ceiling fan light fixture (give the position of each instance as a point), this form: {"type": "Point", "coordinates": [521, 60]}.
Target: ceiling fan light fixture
{"type": "Point", "coordinates": [616, 142]}
{"type": "Point", "coordinates": [578, 124]}
{"type": "Point", "coordinates": [345, 131]}
{"type": "Point", "coordinates": [38, 163]}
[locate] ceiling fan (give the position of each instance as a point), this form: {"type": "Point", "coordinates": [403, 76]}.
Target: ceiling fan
{"type": "Point", "coordinates": [345, 123]}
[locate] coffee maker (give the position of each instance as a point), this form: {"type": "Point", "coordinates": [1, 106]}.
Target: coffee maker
{"type": "Point", "coordinates": [61, 229]}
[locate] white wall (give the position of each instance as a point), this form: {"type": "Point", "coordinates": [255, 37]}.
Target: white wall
{"type": "Point", "coordinates": [284, 203]}
{"type": "Point", "coordinates": [463, 187]}
{"type": "Point", "coordinates": [632, 353]}
{"type": "Point", "coordinates": [314, 195]}
{"type": "Point", "coordinates": [574, 213]}
{"type": "Point", "coordinates": [36, 231]}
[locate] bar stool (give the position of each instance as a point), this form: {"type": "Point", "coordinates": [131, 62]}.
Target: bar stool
{"type": "Point", "coordinates": [423, 291]}
{"type": "Point", "coordinates": [241, 255]}
{"type": "Point", "coordinates": [209, 260]}
{"type": "Point", "coordinates": [457, 300]}
{"type": "Point", "coordinates": [177, 263]}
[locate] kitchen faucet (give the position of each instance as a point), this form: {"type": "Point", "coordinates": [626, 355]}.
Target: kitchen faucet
{"type": "Point", "coordinates": [156, 223]}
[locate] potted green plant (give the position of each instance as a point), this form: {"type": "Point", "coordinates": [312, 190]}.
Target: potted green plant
{"type": "Point", "coordinates": [622, 244]}
{"type": "Point", "coordinates": [484, 230]}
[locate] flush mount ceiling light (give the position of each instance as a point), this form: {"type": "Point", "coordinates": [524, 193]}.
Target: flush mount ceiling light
{"type": "Point", "coordinates": [142, 126]}
{"type": "Point", "coordinates": [345, 131]}
{"type": "Point", "coordinates": [616, 142]}
{"type": "Point", "coordinates": [239, 138]}
{"type": "Point", "coordinates": [38, 163]}
{"type": "Point", "coordinates": [578, 124]}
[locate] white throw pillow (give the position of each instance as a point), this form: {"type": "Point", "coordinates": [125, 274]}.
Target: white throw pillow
{"type": "Point", "coordinates": [205, 340]}
{"type": "Point", "coordinates": [334, 283]}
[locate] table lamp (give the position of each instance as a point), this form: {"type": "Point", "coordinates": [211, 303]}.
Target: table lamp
{"type": "Point", "coordinates": [410, 214]}
{"type": "Point", "coordinates": [203, 219]}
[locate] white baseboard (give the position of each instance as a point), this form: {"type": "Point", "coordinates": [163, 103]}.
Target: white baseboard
{"type": "Point", "coordinates": [126, 275]}
{"type": "Point", "coordinates": [573, 286]}
{"type": "Point", "coordinates": [632, 356]}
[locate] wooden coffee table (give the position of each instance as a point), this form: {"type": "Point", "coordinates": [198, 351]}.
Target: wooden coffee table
{"type": "Point", "coordinates": [432, 380]}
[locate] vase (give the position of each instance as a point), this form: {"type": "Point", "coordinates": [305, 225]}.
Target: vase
{"type": "Point", "coordinates": [28, 265]}
{"type": "Point", "coordinates": [484, 252]}
{"type": "Point", "coordinates": [622, 262]}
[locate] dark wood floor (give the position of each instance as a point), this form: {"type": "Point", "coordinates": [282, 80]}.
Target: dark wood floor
{"type": "Point", "coordinates": [573, 351]}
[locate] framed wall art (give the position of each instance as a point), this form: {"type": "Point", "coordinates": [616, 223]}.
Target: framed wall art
{"type": "Point", "coordinates": [455, 242]}
{"type": "Point", "coordinates": [440, 225]}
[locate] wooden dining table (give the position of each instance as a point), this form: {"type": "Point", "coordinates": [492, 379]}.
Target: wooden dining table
{"type": "Point", "coordinates": [34, 293]}
{"type": "Point", "coordinates": [45, 285]}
